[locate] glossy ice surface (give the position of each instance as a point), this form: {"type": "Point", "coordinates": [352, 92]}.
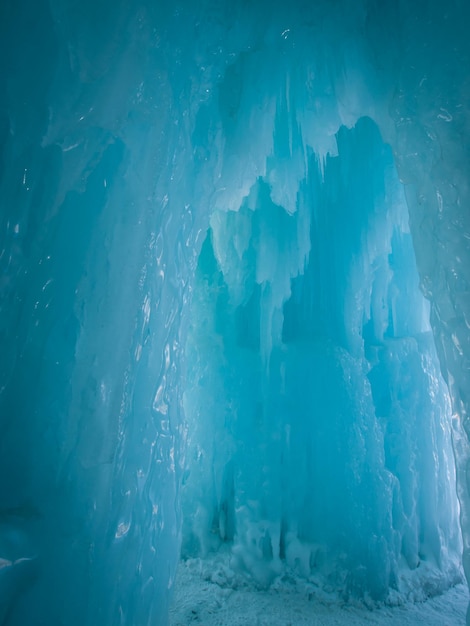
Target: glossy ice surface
{"type": "Point", "coordinates": [234, 276]}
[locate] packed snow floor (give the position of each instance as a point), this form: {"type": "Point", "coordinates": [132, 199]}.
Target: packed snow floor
{"type": "Point", "coordinates": [206, 594]}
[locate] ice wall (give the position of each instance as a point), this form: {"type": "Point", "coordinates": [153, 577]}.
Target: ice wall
{"type": "Point", "coordinates": [431, 113]}
{"type": "Point", "coordinates": [319, 425]}
{"type": "Point", "coordinates": [124, 127]}
{"type": "Point", "coordinates": [94, 272]}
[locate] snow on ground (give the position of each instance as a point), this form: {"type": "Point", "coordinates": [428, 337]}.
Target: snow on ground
{"type": "Point", "coordinates": [208, 593]}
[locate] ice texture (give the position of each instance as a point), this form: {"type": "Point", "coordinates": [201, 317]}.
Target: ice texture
{"type": "Point", "coordinates": [319, 424]}
{"type": "Point", "coordinates": [205, 205]}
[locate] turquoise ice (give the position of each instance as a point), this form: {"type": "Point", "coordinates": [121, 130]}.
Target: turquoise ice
{"type": "Point", "coordinates": [234, 313]}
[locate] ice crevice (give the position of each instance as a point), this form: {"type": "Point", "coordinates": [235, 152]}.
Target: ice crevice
{"type": "Point", "coordinates": [234, 314]}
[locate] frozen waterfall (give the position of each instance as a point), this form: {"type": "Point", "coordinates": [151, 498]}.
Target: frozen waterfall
{"type": "Point", "coordinates": [234, 313]}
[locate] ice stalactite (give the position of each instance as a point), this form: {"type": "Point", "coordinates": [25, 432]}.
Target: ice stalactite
{"type": "Point", "coordinates": [309, 446]}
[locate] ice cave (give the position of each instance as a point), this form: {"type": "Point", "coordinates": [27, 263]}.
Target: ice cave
{"type": "Point", "coordinates": [234, 312]}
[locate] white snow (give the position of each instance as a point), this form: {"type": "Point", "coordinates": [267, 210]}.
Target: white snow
{"type": "Point", "coordinates": [208, 592]}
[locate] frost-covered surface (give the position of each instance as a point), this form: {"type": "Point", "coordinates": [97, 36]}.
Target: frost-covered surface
{"type": "Point", "coordinates": [127, 130]}
{"type": "Point", "coordinates": [209, 593]}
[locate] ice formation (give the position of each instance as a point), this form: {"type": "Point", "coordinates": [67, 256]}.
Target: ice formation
{"type": "Point", "coordinates": [319, 423]}
{"type": "Point", "coordinates": [234, 284]}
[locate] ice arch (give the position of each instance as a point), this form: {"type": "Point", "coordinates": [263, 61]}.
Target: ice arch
{"type": "Point", "coordinates": [124, 127]}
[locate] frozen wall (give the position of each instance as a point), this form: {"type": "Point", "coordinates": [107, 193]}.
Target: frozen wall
{"type": "Point", "coordinates": [319, 426]}
{"type": "Point", "coordinates": [93, 284]}
{"type": "Point", "coordinates": [129, 130]}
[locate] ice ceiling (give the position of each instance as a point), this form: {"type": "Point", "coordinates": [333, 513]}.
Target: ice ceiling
{"type": "Point", "coordinates": [235, 314]}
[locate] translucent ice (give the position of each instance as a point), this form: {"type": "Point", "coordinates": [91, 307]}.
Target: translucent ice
{"type": "Point", "coordinates": [207, 204]}
{"type": "Point", "coordinates": [332, 450]}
